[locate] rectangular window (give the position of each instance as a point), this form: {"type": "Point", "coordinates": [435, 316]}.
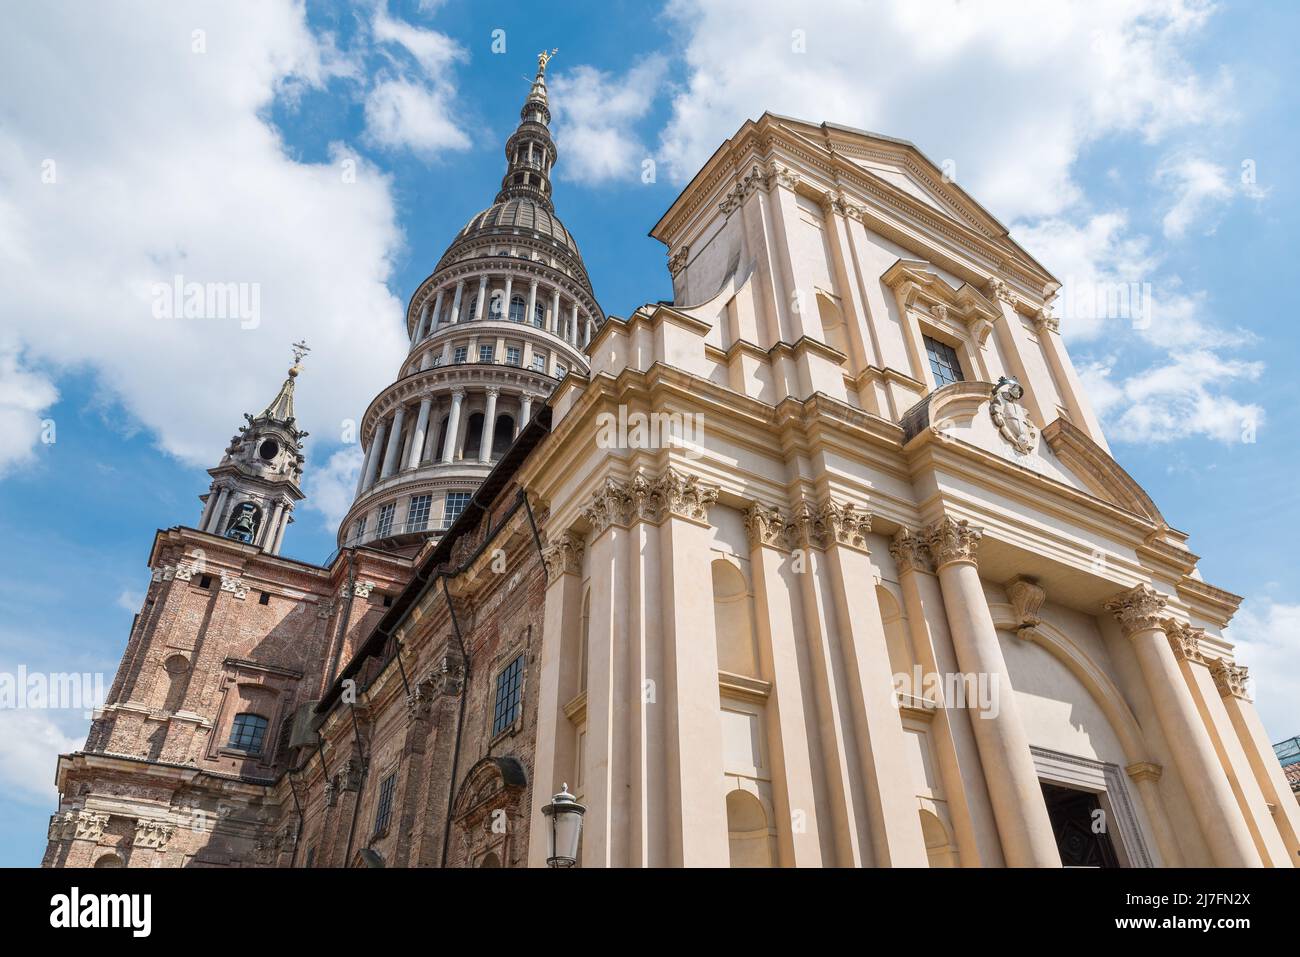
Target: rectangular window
{"type": "Point", "coordinates": [384, 809]}
{"type": "Point", "coordinates": [460, 355]}
{"type": "Point", "coordinates": [485, 353]}
{"type": "Point", "coordinates": [358, 529]}
{"type": "Point", "coordinates": [417, 514]}
{"type": "Point", "coordinates": [512, 355]}
{"type": "Point", "coordinates": [539, 361]}
{"type": "Point", "coordinates": [943, 362]}
{"type": "Point", "coordinates": [561, 370]}
{"type": "Point", "coordinates": [384, 527]}
{"type": "Point", "coordinates": [510, 684]}
{"type": "Point", "coordinates": [435, 361]}
{"type": "Point", "coordinates": [452, 506]}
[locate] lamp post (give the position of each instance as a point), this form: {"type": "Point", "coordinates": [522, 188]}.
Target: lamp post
{"type": "Point", "coordinates": [564, 817]}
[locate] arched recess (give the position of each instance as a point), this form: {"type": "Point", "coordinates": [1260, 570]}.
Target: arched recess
{"type": "Point", "coordinates": [940, 850]}
{"type": "Point", "coordinates": [748, 836]}
{"type": "Point", "coordinates": [473, 435]}
{"type": "Point", "coordinates": [440, 448]}
{"type": "Point", "coordinates": [897, 643]}
{"type": "Point", "coordinates": [834, 332]}
{"type": "Point", "coordinates": [503, 433]}
{"type": "Point", "coordinates": [176, 671]}
{"type": "Point", "coordinates": [492, 792]}
{"type": "Point", "coordinates": [733, 620]}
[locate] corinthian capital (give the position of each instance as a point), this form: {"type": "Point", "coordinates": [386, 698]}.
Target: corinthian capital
{"type": "Point", "coordinates": [910, 553]}
{"type": "Point", "coordinates": [674, 493]}
{"type": "Point", "coordinates": [1230, 679]}
{"type": "Point", "coordinates": [767, 526]}
{"type": "Point", "coordinates": [1137, 609]}
{"type": "Point", "coordinates": [952, 540]}
{"type": "Point", "coordinates": [612, 504]}
{"type": "Point", "coordinates": [563, 556]}
{"type": "Point", "coordinates": [848, 524]}
{"type": "Point", "coordinates": [1184, 640]}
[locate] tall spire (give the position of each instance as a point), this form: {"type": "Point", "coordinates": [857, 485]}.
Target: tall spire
{"type": "Point", "coordinates": [281, 407]}
{"type": "Point", "coordinates": [530, 151]}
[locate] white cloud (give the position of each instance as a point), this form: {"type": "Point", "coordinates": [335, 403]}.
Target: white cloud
{"type": "Point", "coordinates": [139, 161]}
{"type": "Point", "coordinates": [30, 743]}
{"type": "Point", "coordinates": [414, 108]}
{"type": "Point", "coordinates": [1198, 186]}
{"type": "Point", "coordinates": [1267, 636]}
{"type": "Point", "coordinates": [331, 487]}
{"type": "Point", "coordinates": [595, 115]}
{"type": "Point", "coordinates": [1010, 91]}
{"type": "Point", "coordinates": [24, 396]}
{"type": "Point", "coordinates": [1175, 399]}
{"type": "Point", "coordinates": [130, 601]}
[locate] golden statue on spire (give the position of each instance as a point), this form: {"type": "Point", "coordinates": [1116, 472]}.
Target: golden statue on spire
{"type": "Point", "coordinates": [544, 58]}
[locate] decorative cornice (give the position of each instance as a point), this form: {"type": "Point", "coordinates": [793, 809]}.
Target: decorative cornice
{"type": "Point", "coordinates": [952, 540]}
{"type": "Point", "coordinates": [910, 552]}
{"type": "Point", "coordinates": [997, 289]}
{"type": "Point", "coordinates": [563, 556]}
{"type": "Point", "coordinates": [1027, 599]}
{"type": "Point", "coordinates": [1230, 678]}
{"type": "Point", "coordinates": [1184, 640]}
{"type": "Point", "coordinates": [1137, 609]}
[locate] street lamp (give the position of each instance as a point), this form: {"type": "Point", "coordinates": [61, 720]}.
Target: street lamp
{"type": "Point", "coordinates": [564, 817]}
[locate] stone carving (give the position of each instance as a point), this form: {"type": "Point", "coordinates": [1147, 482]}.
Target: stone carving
{"type": "Point", "coordinates": [910, 552]}
{"type": "Point", "coordinates": [1010, 416]}
{"type": "Point", "coordinates": [677, 261]}
{"type": "Point", "coordinates": [674, 493]}
{"type": "Point", "coordinates": [1045, 320]}
{"type": "Point", "coordinates": [951, 540]}
{"type": "Point", "coordinates": [234, 585]}
{"type": "Point", "coordinates": [998, 289]}
{"type": "Point", "coordinates": [612, 504]}
{"type": "Point", "coordinates": [1184, 640]}
{"type": "Point", "coordinates": [784, 176]}
{"type": "Point", "coordinates": [153, 834]}
{"type": "Point", "coordinates": [1230, 678]}
{"type": "Point", "coordinates": [184, 572]}
{"type": "Point", "coordinates": [767, 526]}
{"type": "Point", "coordinates": [563, 556]}
{"type": "Point", "coordinates": [847, 524]}
{"type": "Point", "coordinates": [363, 589]}
{"type": "Point", "coordinates": [1137, 609]}
{"type": "Point", "coordinates": [734, 199]}
{"type": "Point", "coordinates": [1144, 770]}
{"type": "Point", "coordinates": [1027, 599]}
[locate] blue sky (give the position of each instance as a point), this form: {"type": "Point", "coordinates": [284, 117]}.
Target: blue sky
{"type": "Point", "coordinates": [1110, 138]}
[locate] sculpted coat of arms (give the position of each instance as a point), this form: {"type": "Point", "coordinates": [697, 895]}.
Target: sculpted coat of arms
{"type": "Point", "coordinates": [1010, 416]}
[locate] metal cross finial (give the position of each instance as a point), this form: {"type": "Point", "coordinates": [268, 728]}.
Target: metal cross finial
{"type": "Point", "coordinates": [300, 349]}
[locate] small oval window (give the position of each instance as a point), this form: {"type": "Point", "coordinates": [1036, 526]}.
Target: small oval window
{"type": "Point", "coordinates": [269, 449]}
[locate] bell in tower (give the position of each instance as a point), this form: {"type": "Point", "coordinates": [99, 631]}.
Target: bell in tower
{"type": "Point", "coordinates": [258, 481]}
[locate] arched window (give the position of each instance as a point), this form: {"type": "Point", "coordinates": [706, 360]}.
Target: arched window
{"type": "Point", "coordinates": [939, 849]}
{"type": "Point", "coordinates": [244, 522]}
{"type": "Point", "coordinates": [467, 310]}
{"type": "Point", "coordinates": [494, 306]}
{"type": "Point", "coordinates": [247, 733]}
{"type": "Point", "coordinates": [440, 448]}
{"type": "Point", "coordinates": [517, 309]}
{"type": "Point", "coordinates": [539, 316]}
{"type": "Point", "coordinates": [109, 860]}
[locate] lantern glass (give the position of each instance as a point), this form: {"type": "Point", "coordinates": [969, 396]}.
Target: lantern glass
{"type": "Point", "coordinates": [564, 832]}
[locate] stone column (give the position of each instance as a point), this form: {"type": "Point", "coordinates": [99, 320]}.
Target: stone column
{"type": "Point", "coordinates": [481, 302]}
{"type": "Point", "coordinates": [434, 316]}
{"type": "Point", "coordinates": [417, 437]}
{"type": "Point", "coordinates": [373, 456]}
{"type": "Point", "coordinates": [525, 410]}
{"type": "Point", "coordinates": [208, 505]}
{"type": "Point", "coordinates": [455, 301]}
{"type": "Point", "coordinates": [1138, 611]}
{"type": "Point", "coordinates": [279, 532]}
{"type": "Point", "coordinates": [489, 427]}
{"type": "Point", "coordinates": [218, 512]}
{"type": "Point", "coordinates": [878, 736]}
{"type": "Point", "coordinates": [558, 683]}
{"type": "Point", "coordinates": [553, 322]}
{"type": "Point", "coordinates": [791, 720]}
{"type": "Point", "coordinates": [1018, 805]}
{"type": "Point", "coordinates": [419, 326]}
{"type": "Point", "coordinates": [453, 426]}
{"type": "Point", "coordinates": [573, 325]}
{"type": "Point", "coordinates": [394, 443]}
{"type": "Point", "coordinates": [532, 302]}
{"type": "Point", "coordinates": [271, 528]}
{"type": "Point", "coordinates": [365, 467]}
{"type": "Point", "coordinates": [505, 301]}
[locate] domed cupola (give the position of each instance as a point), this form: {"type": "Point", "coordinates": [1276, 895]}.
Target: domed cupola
{"type": "Point", "coordinates": [505, 315]}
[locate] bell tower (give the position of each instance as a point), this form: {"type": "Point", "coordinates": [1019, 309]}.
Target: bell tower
{"type": "Point", "coordinates": [258, 481]}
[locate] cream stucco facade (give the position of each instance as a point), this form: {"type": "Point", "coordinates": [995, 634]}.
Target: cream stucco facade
{"type": "Point", "coordinates": [855, 615]}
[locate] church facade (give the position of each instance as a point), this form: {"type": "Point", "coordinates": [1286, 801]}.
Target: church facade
{"type": "Point", "coordinates": [825, 562]}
